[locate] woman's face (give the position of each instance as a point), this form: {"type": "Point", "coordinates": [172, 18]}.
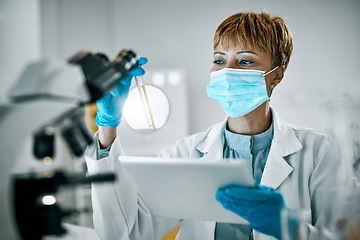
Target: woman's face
{"type": "Point", "coordinates": [243, 58]}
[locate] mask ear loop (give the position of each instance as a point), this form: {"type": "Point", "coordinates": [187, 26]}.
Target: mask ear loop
{"type": "Point", "coordinates": [271, 71]}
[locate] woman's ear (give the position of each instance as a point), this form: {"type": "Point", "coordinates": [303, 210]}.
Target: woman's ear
{"type": "Point", "coordinates": [279, 75]}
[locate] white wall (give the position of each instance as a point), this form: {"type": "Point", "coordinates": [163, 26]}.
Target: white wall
{"type": "Point", "coordinates": [19, 39]}
{"type": "Point", "coordinates": [323, 70]}
{"type": "Point", "coordinates": [19, 43]}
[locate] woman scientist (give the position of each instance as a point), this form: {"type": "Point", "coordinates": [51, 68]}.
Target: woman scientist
{"type": "Point", "coordinates": [251, 54]}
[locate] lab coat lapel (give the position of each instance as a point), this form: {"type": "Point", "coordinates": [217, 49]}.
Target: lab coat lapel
{"type": "Point", "coordinates": [212, 146]}
{"type": "Point", "coordinates": [276, 169]}
{"type": "Point", "coordinates": [284, 143]}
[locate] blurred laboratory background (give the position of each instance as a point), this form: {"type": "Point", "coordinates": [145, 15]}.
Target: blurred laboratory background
{"type": "Point", "coordinates": [321, 87]}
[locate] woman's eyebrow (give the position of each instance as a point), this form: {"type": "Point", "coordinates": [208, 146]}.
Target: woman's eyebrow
{"type": "Point", "coordinates": [240, 52]}
{"type": "Point", "coordinates": [221, 53]}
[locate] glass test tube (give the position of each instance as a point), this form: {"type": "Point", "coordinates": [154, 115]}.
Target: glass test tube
{"type": "Point", "coordinates": [141, 87]}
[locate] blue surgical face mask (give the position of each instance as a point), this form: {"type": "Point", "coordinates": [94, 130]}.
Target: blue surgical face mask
{"type": "Point", "coordinates": [239, 91]}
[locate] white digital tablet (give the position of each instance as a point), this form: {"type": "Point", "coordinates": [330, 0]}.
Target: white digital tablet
{"type": "Point", "coordinates": [186, 188]}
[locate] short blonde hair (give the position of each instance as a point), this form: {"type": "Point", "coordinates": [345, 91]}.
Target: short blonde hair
{"type": "Point", "coordinates": [270, 34]}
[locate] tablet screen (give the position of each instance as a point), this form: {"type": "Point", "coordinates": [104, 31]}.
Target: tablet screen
{"type": "Point", "coordinates": [186, 188]}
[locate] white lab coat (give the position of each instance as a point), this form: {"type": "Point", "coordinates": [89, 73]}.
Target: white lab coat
{"type": "Point", "coordinates": [301, 163]}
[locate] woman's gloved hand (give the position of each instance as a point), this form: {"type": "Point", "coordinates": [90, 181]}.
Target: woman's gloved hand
{"type": "Point", "coordinates": [110, 106]}
{"type": "Point", "coordinates": [260, 206]}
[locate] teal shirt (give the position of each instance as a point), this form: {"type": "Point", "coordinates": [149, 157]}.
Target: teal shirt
{"type": "Point", "coordinates": [254, 149]}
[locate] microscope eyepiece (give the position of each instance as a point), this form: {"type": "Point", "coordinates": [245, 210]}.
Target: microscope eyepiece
{"type": "Point", "coordinates": [101, 74]}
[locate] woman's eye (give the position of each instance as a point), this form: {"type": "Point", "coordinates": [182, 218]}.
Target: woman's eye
{"type": "Point", "coordinates": [218, 62]}
{"type": "Point", "coordinates": [244, 62]}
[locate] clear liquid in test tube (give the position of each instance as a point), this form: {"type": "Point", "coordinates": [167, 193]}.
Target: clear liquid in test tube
{"type": "Point", "coordinates": [141, 87]}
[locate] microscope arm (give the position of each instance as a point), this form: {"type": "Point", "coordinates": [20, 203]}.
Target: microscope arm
{"type": "Point", "coordinates": [51, 79]}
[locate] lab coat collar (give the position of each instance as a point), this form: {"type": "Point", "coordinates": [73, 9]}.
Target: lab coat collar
{"type": "Point", "coordinates": [284, 143]}
{"type": "Point", "coordinates": [284, 137]}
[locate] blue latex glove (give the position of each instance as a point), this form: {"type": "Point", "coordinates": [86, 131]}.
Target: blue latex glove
{"type": "Point", "coordinates": [260, 206]}
{"type": "Point", "coordinates": [110, 106]}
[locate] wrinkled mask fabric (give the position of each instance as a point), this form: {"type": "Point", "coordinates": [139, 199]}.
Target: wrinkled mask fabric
{"type": "Point", "coordinates": [238, 91]}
